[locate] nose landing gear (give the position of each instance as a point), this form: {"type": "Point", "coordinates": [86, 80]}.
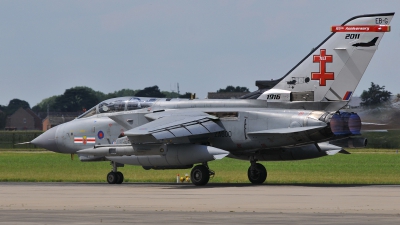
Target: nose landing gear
{"type": "Point", "coordinates": [256, 173]}
{"type": "Point", "coordinates": [200, 174]}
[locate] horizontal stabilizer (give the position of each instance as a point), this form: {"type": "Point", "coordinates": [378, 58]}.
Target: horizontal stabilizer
{"type": "Point", "coordinates": [332, 152]}
{"type": "Point", "coordinates": [344, 152]}
{"type": "Point", "coordinates": [329, 148]}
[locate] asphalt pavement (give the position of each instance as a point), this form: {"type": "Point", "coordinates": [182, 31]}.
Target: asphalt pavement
{"type": "Point", "coordinates": [155, 203]}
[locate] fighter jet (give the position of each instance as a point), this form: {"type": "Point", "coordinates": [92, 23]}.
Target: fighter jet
{"type": "Point", "coordinates": [300, 121]}
{"type": "Point", "coordinates": [366, 44]}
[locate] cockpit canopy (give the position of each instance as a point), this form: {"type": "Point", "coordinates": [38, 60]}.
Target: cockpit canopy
{"type": "Point", "coordinates": [122, 104]}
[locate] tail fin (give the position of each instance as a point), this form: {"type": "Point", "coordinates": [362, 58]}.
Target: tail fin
{"type": "Point", "coordinates": [332, 71]}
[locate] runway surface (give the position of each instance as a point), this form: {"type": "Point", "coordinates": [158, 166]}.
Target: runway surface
{"type": "Point", "coordinates": [95, 203]}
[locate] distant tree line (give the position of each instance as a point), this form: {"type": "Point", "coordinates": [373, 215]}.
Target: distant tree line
{"type": "Point", "coordinates": [78, 99]}
{"type": "Point", "coordinates": [233, 89]}
{"type": "Point", "coordinates": [81, 98]}
{"type": "Point", "coordinates": [374, 95]}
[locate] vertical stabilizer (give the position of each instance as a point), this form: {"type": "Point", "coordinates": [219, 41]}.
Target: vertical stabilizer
{"type": "Point", "coordinates": [332, 71]}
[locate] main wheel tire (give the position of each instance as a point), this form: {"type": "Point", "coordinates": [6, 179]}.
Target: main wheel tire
{"type": "Point", "coordinates": [257, 174]}
{"type": "Point", "coordinates": [120, 177]}
{"type": "Point", "coordinates": [112, 178]}
{"type": "Point", "coordinates": [200, 175]}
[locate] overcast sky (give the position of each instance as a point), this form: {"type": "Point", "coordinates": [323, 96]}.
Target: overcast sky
{"type": "Point", "coordinates": [49, 46]}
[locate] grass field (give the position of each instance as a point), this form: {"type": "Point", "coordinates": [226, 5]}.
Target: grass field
{"type": "Point", "coordinates": [361, 167]}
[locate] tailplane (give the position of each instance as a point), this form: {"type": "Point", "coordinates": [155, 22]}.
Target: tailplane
{"type": "Point", "coordinates": [332, 70]}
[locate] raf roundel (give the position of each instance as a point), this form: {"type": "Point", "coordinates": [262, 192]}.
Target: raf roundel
{"type": "Point", "coordinates": [100, 135]}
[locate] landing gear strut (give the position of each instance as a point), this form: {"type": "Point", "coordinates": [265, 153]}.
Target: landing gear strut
{"type": "Point", "coordinates": [115, 177]}
{"type": "Point", "coordinates": [256, 173]}
{"type": "Point", "coordinates": [200, 174]}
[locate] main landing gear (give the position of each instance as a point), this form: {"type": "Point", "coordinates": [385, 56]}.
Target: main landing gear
{"type": "Point", "coordinates": [256, 173]}
{"type": "Point", "coordinates": [200, 174]}
{"type": "Point", "coordinates": [115, 177]}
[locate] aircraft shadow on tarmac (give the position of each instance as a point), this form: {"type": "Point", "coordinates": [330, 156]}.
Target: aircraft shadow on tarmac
{"type": "Point", "coordinates": [191, 186]}
{"type": "Point", "coordinates": [228, 185]}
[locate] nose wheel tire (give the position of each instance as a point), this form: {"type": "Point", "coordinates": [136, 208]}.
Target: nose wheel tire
{"type": "Point", "coordinates": [257, 173]}
{"type": "Point", "coordinates": [200, 175]}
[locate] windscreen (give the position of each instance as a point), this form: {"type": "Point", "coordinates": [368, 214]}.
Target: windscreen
{"type": "Point", "coordinates": [88, 113]}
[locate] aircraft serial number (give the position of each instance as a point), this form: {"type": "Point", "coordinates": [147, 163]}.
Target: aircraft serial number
{"type": "Point", "coordinates": [272, 96]}
{"type": "Point", "coordinates": [352, 36]}
{"type": "Point", "coordinates": [223, 134]}
{"type": "Point", "coordinates": [381, 20]}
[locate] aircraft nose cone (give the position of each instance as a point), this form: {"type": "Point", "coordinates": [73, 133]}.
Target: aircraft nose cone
{"type": "Point", "coordinates": [47, 140]}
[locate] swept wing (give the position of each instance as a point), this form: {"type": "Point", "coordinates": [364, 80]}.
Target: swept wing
{"type": "Point", "coordinates": [174, 124]}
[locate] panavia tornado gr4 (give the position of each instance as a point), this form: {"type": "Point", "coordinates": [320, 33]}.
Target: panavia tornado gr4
{"type": "Point", "coordinates": [295, 117]}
